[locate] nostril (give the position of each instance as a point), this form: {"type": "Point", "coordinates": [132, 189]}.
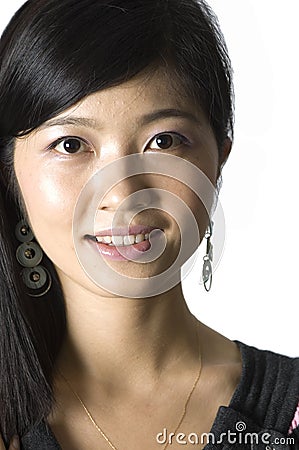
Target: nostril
{"type": "Point", "coordinates": [134, 200]}
{"type": "Point", "coordinates": [105, 208]}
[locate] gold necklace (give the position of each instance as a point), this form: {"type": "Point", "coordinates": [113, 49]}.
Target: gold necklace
{"type": "Point", "coordinates": [102, 433]}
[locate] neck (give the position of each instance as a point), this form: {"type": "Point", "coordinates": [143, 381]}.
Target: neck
{"type": "Point", "coordinates": [119, 338]}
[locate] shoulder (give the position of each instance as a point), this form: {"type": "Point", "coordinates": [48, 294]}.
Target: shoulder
{"type": "Point", "coordinates": [264, 404]}
{"type": "Point", "coordinates": [269, 387]}
{"type": "Point", "coordinates": [266, 367]}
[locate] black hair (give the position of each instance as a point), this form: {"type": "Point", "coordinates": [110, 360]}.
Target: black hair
{"type": "Point", "coordinates": [53, 53]}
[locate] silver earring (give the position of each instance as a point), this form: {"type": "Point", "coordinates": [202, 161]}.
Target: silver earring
{"type": "Point", "coordinates": [29, 255]}
{"type": "Point", "coordinates": [207, 271]}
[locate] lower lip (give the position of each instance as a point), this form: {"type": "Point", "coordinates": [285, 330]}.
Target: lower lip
{"type": "Point", "coordinates": [128, 252]}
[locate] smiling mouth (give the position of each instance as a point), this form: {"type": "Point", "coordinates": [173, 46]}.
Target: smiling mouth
{"type": "Point", "coordinates": [132, 241]}
{"type": "Point", "coordinates": [122, 241]}
{"type": "Point", "coordinates": [124, 236]}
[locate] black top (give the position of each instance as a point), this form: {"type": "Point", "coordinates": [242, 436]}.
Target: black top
{"type": "Point", "coordinates": [259, 414]}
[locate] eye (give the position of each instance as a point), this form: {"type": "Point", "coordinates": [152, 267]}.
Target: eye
{"type": "Point", "coordinates": [166, 141]}
{"type": "Point", "coordinates": [70, 145]}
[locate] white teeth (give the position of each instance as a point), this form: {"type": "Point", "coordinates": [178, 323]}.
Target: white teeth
{"type": "Point", "coordinates": [129, 240]}
{"type": "Point", "coordinates": [118, 240]}
{"type": "Point", "coordinates": [123, 240]}
{"type": "Point", "coordinates": [139, 238]}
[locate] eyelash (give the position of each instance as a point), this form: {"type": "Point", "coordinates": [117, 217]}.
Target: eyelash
{"type": "Point", "coordinates": [67, 138]}
{"type": "Point", "coordinates": [183, 141]}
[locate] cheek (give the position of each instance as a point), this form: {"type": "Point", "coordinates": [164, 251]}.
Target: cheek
{"type": "Point", "coordinates": [46, 198]}
{"type": "Point", "coordinates": [196, 196]}
{"type": "Point", "coordinates": [191, 212]}
{"type": "Point", "coordinates": [50, 201]}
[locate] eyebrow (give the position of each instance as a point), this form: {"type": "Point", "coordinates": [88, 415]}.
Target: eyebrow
{"type": "Point", "coordinates": [144, 120]}
{"type": "Point", "coordinates": [62, 121]}
{"type": "Point", "coordinates": [167, 113]}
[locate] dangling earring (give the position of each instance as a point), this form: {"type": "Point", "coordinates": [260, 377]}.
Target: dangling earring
{"type": "Point", "coordinates": [207, 271]}
{"type": "Point", "coordinates": [29, 255]}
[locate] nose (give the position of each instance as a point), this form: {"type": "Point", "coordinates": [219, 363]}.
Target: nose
{"type": "Point", "coordinates": [127, 186]}
{"type": "Point", "coordinates": [126, 200]}
{"type": "Point", "coordinates": [130, 193]}
{"type": "Point", "coordinates": [129, 183]}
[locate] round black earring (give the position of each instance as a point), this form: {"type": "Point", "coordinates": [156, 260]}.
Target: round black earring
{"type": "Point", "coordinates": [29, 255]}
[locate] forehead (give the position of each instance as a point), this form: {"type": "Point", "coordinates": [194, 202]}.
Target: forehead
{"type": "Point", "coordinates": [147, 92]}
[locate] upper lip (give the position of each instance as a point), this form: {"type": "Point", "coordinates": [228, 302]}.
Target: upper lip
{"type": "Point", "coordinates": [125, 231]}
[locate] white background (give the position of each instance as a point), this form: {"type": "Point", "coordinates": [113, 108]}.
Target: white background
{"type": "Point", "coordinates": [254, 296]}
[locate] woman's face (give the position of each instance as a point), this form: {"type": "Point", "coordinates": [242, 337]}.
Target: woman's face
{"type": "Point", "coordinates": [147, 115]}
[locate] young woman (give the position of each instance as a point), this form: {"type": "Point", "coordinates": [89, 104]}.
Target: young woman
{"type": "Point", "coordinates": [116, 118]}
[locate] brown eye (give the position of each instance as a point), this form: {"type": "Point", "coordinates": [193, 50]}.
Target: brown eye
{"type": "Point", "coordinates": [167, 141]}
{"type": "Point", "coordinates": [164, 141]}
{"type": "Point", "coordinates": [70, 146]}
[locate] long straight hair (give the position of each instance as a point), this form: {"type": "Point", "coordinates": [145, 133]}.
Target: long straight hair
{"type": "Point", "coordinates": [53, 53]}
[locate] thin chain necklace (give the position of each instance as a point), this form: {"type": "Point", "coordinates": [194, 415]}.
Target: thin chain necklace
{"type": "Point", "coordinates": [104, 435]}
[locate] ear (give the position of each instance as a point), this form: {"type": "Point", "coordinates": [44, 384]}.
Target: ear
{"type": "Point", "coordinates": [226, 149]}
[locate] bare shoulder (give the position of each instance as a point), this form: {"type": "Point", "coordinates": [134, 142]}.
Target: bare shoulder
{"type": "Point", "coordinates": [218, 349]}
